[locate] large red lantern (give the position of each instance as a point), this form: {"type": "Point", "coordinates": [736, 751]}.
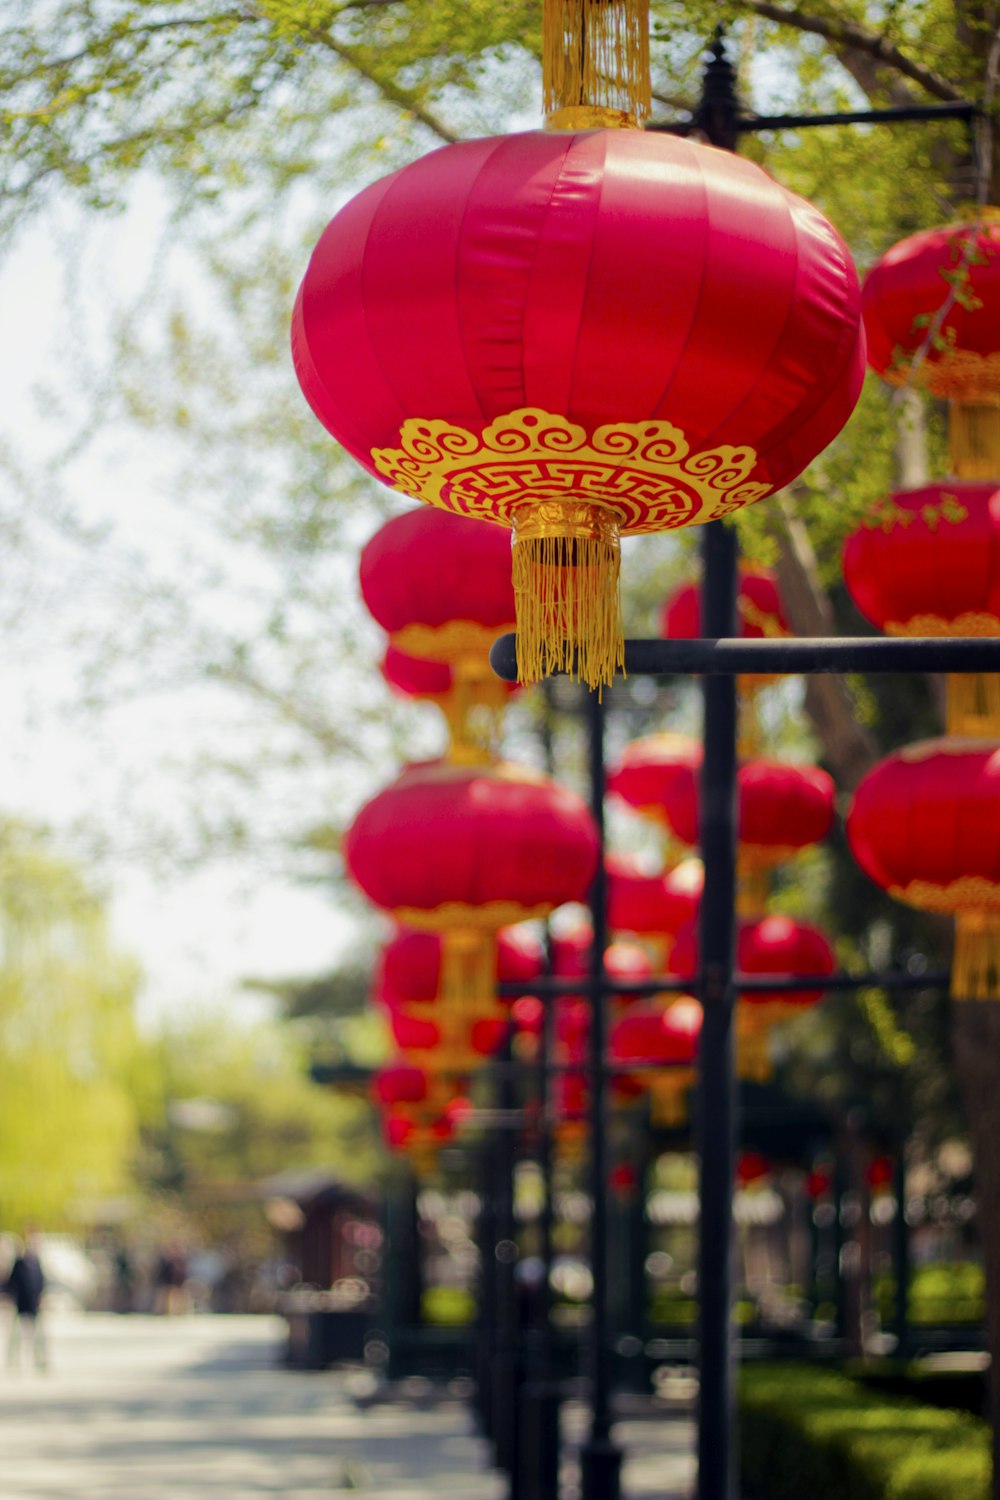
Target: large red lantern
{"type": "Point", "coordinates": [650, 767]}
{"type": "Point", "coordinates": [925, 826]}
{"type": "Point", "coordinates": [927, 563]}
{"type": "Point", "coordinates": [932, 315]}
{"type": "Point", "coordinates": [463, 851]}
{"type": "Point", "coordinates": [654, 907]}
{"type": "Point", "coordinates": [578, 334]}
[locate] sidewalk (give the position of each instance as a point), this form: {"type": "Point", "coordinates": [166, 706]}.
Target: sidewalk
{"type": "Point", "coordinates": [141, 1408]}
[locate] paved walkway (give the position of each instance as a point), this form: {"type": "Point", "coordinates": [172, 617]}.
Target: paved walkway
{"type": "Point", "coordinates": [144, 1408]}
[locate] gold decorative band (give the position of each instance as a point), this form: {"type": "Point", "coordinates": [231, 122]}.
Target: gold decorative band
{"type": "Point", "coordinates": [583, 520]}
{"type": "Point", "coordinates": [460, 643]}
{"type": "Point", "coordinates": [590, 117]}
{"type": "Point", "coordinates": [458, 917]}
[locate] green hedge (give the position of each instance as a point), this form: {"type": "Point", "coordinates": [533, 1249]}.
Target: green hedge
{"type": "Point", "coordinates": [942, 1292]}
{"type": "Point", "coordinates": [807, 1431]}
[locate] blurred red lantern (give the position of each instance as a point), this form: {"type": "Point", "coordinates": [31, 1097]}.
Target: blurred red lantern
{"type": "Point", "coordinates": [653, 906]}
{"type": "Point", "coordinates": [578, 334]}
{"type": "Point", "coordinates": [758, 606]}
{"type": "Point", "coordinates": [650, 768]}
{"type": "Point", "coordinates": [400, 1083]}
{"type": "Point", "coordinates": [416, 676]}
{"type": "Point", "coordinates": [932, 314]}
{"type": "Point", "coordinates": [819, 1183]}
{"type": "Point", "coordinates": [782, 809]}
{"type": "Point", "coordinates": [648, 1033]}
{"type": "Point", "coordinates": [925, 826]}
{"type": "Point", "coordinates": [571, 958]}
{"type": "Point", "coordinates": [925, 564]}
{"type": "Point", "coordinates": [880, 1174]}
{"type": "Point", "coordinates": [752, 1168]}
{"type": "Point", "coordinates": [409, 970]}
{"type": "Point", "coordinates": [623, 1179]}
{"type": "Point", "coordinates": [464, 851]}
{"type": "Point", "coordinates": [772, 945]}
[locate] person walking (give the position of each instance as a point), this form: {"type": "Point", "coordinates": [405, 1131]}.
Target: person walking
{"type": "Point", "coordinates": [25, 1286]}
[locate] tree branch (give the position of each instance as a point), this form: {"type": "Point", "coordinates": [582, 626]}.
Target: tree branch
{"type": "Point", "coordinates": [402, 98]}
{"type": "Point", "coordinates": [849, 35]}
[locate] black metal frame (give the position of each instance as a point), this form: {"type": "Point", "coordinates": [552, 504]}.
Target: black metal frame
{"type": "Point", "coordinates": [718, 659]}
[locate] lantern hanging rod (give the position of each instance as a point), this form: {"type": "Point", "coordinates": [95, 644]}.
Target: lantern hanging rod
{"type": "Point", "coordinates": [552, 987]}
{"type": "Point", "coordinates": [735, 656]}
{"type": "Point", "coordinates": [905, 114]}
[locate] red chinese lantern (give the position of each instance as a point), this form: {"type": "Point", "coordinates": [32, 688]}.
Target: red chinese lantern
{"type": "Point", "coordinates": [925, 826]}
{"type": "Point", "coordinates": [775, 945]}
{"type": "Point", "coordinates": [571, 958]}
{"type": "Point", "coordinates": [880, 1174]}
{"type": "Point", "coordinates": [648, 1033]}
{"type": "Point", "coordinates": [932, 314]}
{"type": "Point", "coordinates": [409, 970]}
{"type": "Point", "coordinates": [782, 809]}
{"type": "Point", "coordinates": [416, 677]}
{"type": "Point", "coordinates": [578, 334]}
{"type": "Point", "coordinates": [752, 1169]}
{"type": "Point", "coordinates": [464, 851]}
{"type": "Point", "coordinates": [759, 611]}
{"type": "Point", "coordinates": [758, 607]}
{"type": "Point", "coordinates": [649, 768]}
{"type": "Point", "coordinates": [440, 587]}
{"type": "Point", "coordinates": [927, 563]}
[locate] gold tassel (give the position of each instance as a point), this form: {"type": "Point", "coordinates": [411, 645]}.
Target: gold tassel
{"type": "Point", "coordinates": [974, 440]}
{"type": "Point", "coordinates": [566, 565]}
{"type": "Point", "coordinates": [975, 970]}
{"type": "Point", "coordinates": [595, 63]}
{"type": "Point", "coordinates": [468, 974]}
{"type": "Point", "coordinates": [973, 704]}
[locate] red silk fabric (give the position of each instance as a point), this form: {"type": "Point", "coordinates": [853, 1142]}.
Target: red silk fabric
{"type": "Point", "coordinates": [912, 560]}
{"type": "Point", "coordinates": [603, 276]}
{"type": "Point", "coordinates": [443, 833]}
{"type": "Point", "coordinates": [758, 606]}
{"type": "Point", "coordinates": [930, 813]}
{"type": "Point", "coordinates": [773, 945]}
{"type": "Point", "coordinates": [908, 283]}
{"type": "Point", "coordinates": [780, 806]}
{"type": "Point", "coordinates": [415, 676]}
{"type": "Point", "coordinates": [428, 568]}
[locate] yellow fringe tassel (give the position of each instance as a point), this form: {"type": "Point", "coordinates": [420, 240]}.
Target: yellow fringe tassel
{"type": "Point", "coordinates": [468, 975]}
{"type": "Point", "coordinates": [974, 439]}
{"type": "Point", "coordinates": [975, 970]}
{"type": "Point", "coordinates": [566, 565]}
{"type": "Point", "coordinates": [595, 55]}
{"type": "Point", "coordinates": [668, 1091]}
{"type": "Point", "coordinates": [973, 704]}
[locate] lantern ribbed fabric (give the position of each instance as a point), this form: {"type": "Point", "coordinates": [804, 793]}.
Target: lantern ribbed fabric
{"type": "Point", "coordinates": [925, 826]}
{"type": "Point", "coordinates": [579, 335]}
{"type": "Point", "coordinates": [463, 851]}
{"type": "Point", "coordinates": [905, 295]}
{"type": "Point", "coordinates": [927, 563]}
{"type": "Point", "coordinates": [775, 945]}
{"type": "Point", "coordinates": [669, 1037]}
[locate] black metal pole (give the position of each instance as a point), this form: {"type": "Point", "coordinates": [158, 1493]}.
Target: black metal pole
{"type": "Point", "coordinates": [600, 1459]}
{"type": "Point", "coordinates": [716, 1111]}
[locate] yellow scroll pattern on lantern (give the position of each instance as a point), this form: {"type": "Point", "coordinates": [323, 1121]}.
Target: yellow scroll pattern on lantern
{"type": "Point", "coordinates": [644, 472]}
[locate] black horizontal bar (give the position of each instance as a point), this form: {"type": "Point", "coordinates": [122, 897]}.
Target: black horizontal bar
{"type": "Point", "coordinates": [659, 658]}
{"type": "Point", "coordinates": [749, 124]}
{"type": "Point", "coordinates": [547, 987]}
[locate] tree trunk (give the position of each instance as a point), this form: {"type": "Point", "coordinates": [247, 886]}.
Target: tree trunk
{"type": "Point", "coordinates": [976, 1040]}
{"type": "Point", "coordinates": [848, 749]}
